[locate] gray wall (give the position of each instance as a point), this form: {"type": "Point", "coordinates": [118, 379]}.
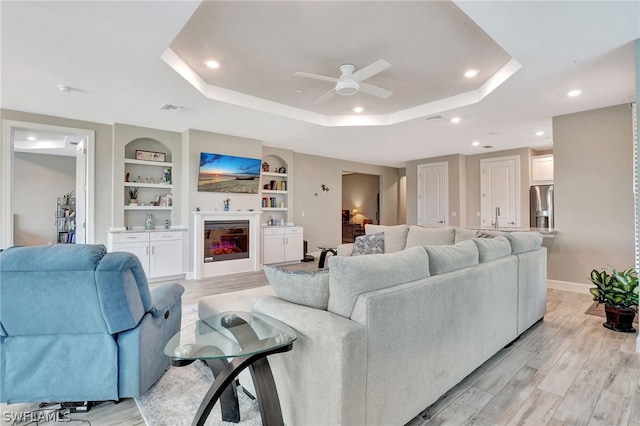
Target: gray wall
{"type": "Point", "coordinates": [38, 180]}
{"type": "Point", "coordinates": [593, 160]}
{"type": "Point", "coordinates": [320, 212]}
{"type": "Point", "coordinates": [359, 191]}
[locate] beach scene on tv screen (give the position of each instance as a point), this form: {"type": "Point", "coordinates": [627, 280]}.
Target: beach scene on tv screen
{"type": "Point", "coordinates": [226, 173]}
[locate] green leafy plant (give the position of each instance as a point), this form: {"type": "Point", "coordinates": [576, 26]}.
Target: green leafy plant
{"type": "Point", "coordinates": [133, 192]}
{"type": "Point", "coordinates": [618, 288]}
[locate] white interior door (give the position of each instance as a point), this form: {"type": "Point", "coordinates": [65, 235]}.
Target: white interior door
{"type": "Point", "coordinates": [500, 192]}
{"type": "Point", "coordinates": [81, 193]}
{"type": "Point", "coordinates": [433, 190]}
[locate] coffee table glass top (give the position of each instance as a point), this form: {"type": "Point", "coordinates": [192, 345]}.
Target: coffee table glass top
{"type": "Point", "coordinates": [229, 334]}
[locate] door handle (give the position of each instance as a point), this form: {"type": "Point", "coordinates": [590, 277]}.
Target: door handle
{"type": "Point", "coordinates": [442, 221]}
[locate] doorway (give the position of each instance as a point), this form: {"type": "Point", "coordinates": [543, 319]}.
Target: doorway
{"type": "Point", "coordinates": [41, 163]}
{"type": "Point", "coordinates": [360, 203]}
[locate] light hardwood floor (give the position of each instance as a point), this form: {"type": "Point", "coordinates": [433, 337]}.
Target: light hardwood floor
{"type": "Point", "coordinates": [566, 370]}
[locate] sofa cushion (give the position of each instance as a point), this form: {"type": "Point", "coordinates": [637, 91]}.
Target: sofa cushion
{"type": "Point", "coordinates": [308, 288]}
{"type": "Point", "coordinates": [368, 244]}
{"type": "Point", "coordinates": [485, 233]}
{"type": "Point", "coordinates": [395, 237]}
{"type": "Point", "coordinates": [522, 242]}
{"type": "Point", "coordinates": [492, 248]}
{"type": "Point", "coordinates": [462, 234]}
{"type": "Point", "coordinates": [352, 276]}
{"type": "Point", "coordinates": [420, 236]}
{"type": "Point", "coordinates": [443, 259]}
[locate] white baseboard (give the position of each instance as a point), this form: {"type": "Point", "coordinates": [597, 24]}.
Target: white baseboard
{"type": "Point", "coordinates": [568, 286]}
{"type": "Point", "coordinates": [189, 276]}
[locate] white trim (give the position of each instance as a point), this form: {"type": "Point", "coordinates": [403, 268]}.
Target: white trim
{"type": "Point", "coordinates": [6, 215]}
{"type": "Point", "coordinates": [568, 286]}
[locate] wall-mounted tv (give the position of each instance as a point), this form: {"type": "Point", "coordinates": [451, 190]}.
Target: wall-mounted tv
{"type": "Point", "coordinates": [226, 173]}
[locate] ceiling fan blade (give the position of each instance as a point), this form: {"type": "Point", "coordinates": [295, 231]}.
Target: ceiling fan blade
{"type": "Point", "coordinates": [326, 96]}
{"type": "Point", "coordinates": [316, 76]}
{"type": "Point", "coordinates": [370, 89]}
{"type": "Point", "coordinates": [371, 70]}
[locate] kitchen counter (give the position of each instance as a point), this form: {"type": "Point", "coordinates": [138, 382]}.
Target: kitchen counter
{"type": "Point", "coordinates": [546, 232]}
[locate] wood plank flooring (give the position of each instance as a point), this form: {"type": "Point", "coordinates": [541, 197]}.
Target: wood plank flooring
{"type": "Point", "coordinates": [566, 370]}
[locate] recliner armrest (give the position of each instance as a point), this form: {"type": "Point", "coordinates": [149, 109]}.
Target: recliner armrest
{"type": "Point", "coordinates": [164, 297]}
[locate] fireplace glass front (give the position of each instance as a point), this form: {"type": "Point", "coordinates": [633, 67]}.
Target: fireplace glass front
{"type": "Point", "coordinates": [226, 240]}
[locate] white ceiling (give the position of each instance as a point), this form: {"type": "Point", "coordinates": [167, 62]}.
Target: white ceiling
{"type": "Point", "coordinates": [111, 53]}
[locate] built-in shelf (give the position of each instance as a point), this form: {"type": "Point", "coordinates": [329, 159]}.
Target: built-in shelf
{"type": "Point", "coordinates": [275, 209]}
{"type": "Point", "coordinates": [147, 163]}
{"type": "Point", "coordinates": [149, 185]}
{"type": "Point", "coordinates": [271, 191]}
{"type": "Point", "coordinates": [273, 174]}
{"type": "Point", "coordinates": [148, 207]}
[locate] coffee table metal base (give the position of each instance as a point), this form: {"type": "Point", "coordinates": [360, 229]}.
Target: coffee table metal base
{"type": "Point", "coordinates": [267, 394]}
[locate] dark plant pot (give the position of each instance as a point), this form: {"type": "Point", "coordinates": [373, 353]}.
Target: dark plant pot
{"type": "Point", "coordinates": [619, 319]}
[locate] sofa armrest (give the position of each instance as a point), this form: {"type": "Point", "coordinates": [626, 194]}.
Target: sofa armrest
{"type": "Point", "coordinates": [321, 380]}
{"type": "Point", "coordinates": [164, 297]}
{"type": "Point", "coordinates": [345, 249]}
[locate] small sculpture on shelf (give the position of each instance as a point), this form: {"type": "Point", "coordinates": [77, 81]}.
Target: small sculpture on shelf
{"type": "Point", "coordinates": [265, 167]}
{"type": "Point", "coordinates": [166, 177]}
{"type": "Point", "coordinates": [282, 170]}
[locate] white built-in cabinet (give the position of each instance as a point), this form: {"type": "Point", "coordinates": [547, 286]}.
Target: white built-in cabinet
{"type": "Point", "coordinates": [542, 169]}
{"type": "Point", "coordinates": [160, 252]}
{"type": "Point", "coordinates": [275, 190]}
{"type": "Point", "coordinates": [281, 244]}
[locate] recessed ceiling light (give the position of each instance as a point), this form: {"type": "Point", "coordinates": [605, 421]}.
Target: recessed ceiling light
{"type": "Point", "coordinates": [63, 88]}
{"type": "Point", "coordinates": [299, 91]}
{"type": "Point", "coordinates": [574, 93]}
{"type": "Point", "coordinates": [358, 109]}
{"type": "Point", "coordinates": [539, 133]}
{"type": "Point", "coordinates": [475, 143]}
{"type": "Point", "coordinates": [471, 73]}
{"type": "Point", "coordinates": [31, 138]}
{"type": "Point", "coordinates": [455, 120]}
{"type": "Point", "coordinates": [212, 63]}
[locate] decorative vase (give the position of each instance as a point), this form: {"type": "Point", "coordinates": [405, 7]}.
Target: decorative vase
{"type": "Point", "coordinates": [619, 319]}
{"type": "Point", "coordinates": [226, 207]}
{"type": "Point", "coordinates": [133, 202]}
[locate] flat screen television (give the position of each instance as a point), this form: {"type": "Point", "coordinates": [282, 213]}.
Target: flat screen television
{"type": "Point", "coordinates": [226, 173]}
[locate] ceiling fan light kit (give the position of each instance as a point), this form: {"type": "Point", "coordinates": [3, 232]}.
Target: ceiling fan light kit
{"type": "Point", "coordinates": [347, 87]}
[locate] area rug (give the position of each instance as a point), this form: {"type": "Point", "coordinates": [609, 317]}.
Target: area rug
{"type": "Point", "coordinates": [175, 398]}
{"type": "Point", "coordinates": [598, 310]}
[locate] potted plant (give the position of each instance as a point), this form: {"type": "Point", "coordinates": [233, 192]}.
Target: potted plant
{"type": "Point", "coordinates": [619, 293]}
{"type": "Point", "coordinates": [133, 195]}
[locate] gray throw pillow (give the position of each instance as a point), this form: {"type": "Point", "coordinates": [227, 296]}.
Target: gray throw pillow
{"type": "Point", "coordinates": [307, 288]}
{"type": "Point", "coordinates": [522, 242]}
{"type": "Point", "coordinates": [492, 248]}
{"type": "Point", "coordinates": [368, 244]}
{"type": "Point", "coordinates": [443, 259]}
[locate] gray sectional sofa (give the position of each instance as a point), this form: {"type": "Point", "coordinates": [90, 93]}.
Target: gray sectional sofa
{"type": "Point", "coordinates": [383, 336]}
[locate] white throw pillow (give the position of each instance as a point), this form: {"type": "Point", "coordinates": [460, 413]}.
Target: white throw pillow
{"type": "Point", "coordinates": [420, 236]}
{"type": "Point", "coordinates": [395, 237]}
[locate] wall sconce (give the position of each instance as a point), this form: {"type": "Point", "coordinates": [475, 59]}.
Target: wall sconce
{"type": "Point", "coordinates": [324, 187]}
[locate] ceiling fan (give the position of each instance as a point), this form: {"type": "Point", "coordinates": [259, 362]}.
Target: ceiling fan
{"type": "Point", "coordinates": [351, 82]}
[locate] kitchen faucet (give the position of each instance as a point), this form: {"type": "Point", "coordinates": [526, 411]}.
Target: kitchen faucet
{"type": "Point", "coordinates": [495, 224]}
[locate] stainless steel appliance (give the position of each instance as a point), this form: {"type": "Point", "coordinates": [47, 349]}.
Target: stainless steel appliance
{"type": "Point", "coordinates": [541, 205]}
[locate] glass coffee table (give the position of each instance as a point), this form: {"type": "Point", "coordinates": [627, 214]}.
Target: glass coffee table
{"type": "Point", "coordinates": [230, 342]}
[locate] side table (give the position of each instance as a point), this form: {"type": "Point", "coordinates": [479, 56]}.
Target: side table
{"type": "Point", "coordinates": [230, 342]}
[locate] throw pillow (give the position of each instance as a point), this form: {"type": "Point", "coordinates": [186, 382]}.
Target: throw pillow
{"type": "Point", "coordinates": [368, 244]}
{"type": "Point", "coordinates": [307, 288]}
{"type": "Point", "coordinates": [395, 237]}
{"type": "Point", "coordinates": [465, 234]}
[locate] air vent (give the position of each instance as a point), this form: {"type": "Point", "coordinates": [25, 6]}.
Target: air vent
{"type": "Point", "coordinates": [169, 107]}
{"type": "Point", "coordinates": [434, 118]}
{"type": "Point", "coordinates": [487, 146]}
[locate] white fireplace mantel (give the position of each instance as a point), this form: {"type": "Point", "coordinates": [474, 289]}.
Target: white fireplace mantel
{"type": "Point", "coordinates": [233, 266]}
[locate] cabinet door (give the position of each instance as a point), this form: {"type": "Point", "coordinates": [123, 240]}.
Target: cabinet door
{"type": "Point", "coordinates": [166, 258]}
{"type": "Point", "coordinates": [272, 248]}
{"type": "Point", "coordinates": [293, 248]}
{"type": "Point", "coordinates": [542, 169]}
{"type": "Point", "coordinates": [141, 250]}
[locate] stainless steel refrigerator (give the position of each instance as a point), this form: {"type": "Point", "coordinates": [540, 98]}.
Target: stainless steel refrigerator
{"type": "Point", "coordinates": [541, 205]}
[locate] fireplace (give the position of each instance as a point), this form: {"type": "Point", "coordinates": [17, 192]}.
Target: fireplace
{"type": "Point", "coordinates": [225, 240]}
{"type": "Point", "coordinates": [225, 243]}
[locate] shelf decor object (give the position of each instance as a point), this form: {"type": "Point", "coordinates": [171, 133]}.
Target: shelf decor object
{"type": "Point", "coordinates": [150, 156]}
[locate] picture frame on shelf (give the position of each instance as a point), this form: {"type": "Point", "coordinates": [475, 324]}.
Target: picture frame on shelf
{"type": "Point", "coordinates": [151, 156]}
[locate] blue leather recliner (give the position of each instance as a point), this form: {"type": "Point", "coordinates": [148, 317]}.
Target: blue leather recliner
{"type": "Point", "coordinates": [80, 324]}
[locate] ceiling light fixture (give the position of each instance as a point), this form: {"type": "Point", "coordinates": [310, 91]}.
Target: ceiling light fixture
{"type": "Point", "coordinates": [574, 93]}
{"type": "Point", "coordinates": [455, 120]}
{"type": "Point", "coordinates": [539, 133]}
{"type": "Point", "coordinates": [471, 73]}
{"type": "Point", "coordinates": [299, 91]}
{"type": "Point", "coordinates": [475, 143]}
{"type": "Point", "coordinates": [63, 88]}
{"type": "Point", "coordinates": [358, 109]}
{"type": "Point", "coordinates": [212, 63]}
{"type": "Point", "coordinates": [31, 138]}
